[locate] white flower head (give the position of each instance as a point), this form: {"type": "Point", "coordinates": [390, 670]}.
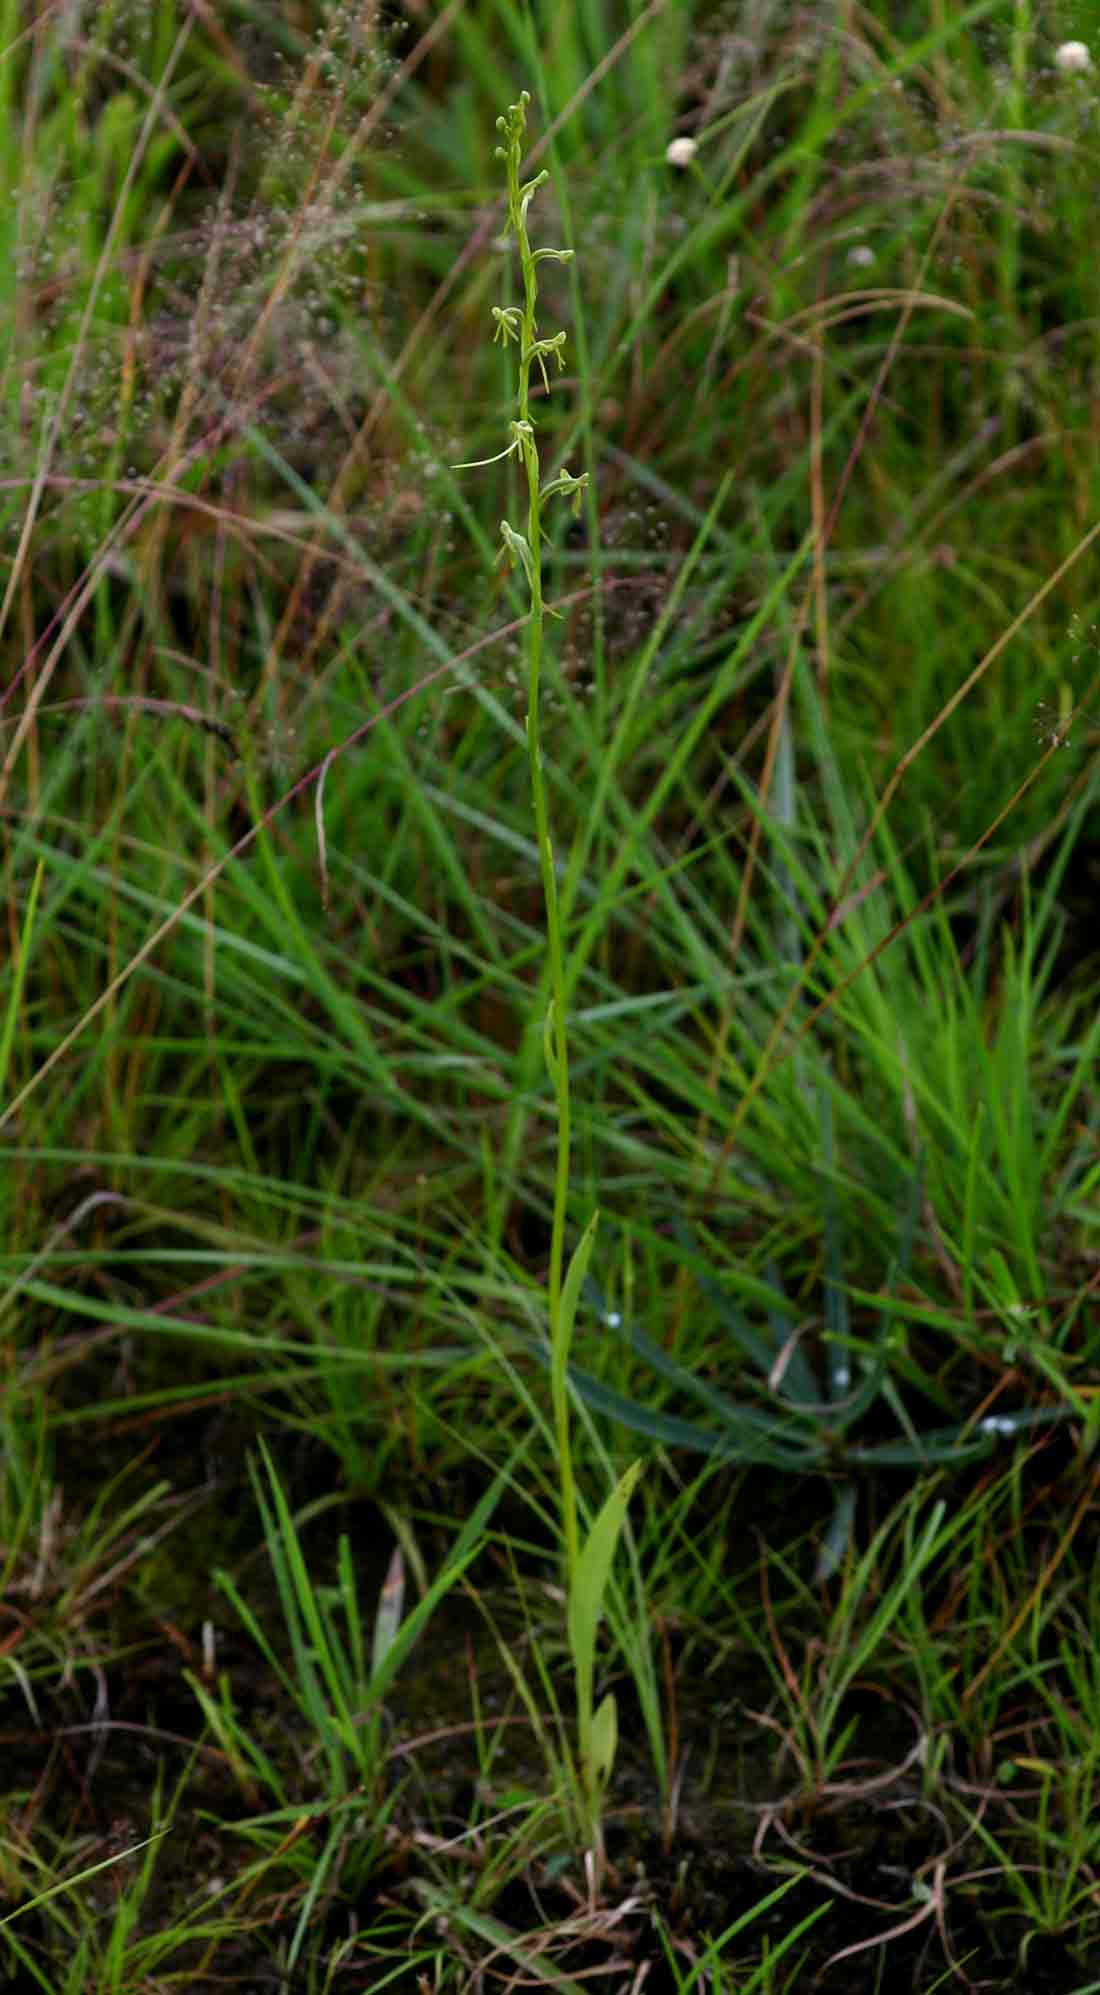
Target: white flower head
{"type": "Point", "coordinates": [681, 152]}
{"type": "Point", "coordinates": [862, 255]}
{"type": "Point", "coordinates": [1072, 57]}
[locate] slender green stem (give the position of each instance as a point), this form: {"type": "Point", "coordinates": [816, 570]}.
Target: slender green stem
{"type": "Point", "coordinates": [520, 324]}
{"type": "Point", "coordinates": [558, 1023]}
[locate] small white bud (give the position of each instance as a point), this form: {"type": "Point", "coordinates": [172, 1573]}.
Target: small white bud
{"type": "Point", "coordinates": [681, 152]}
{"type": "Point", "coordinates": [1072, 56]}
{"type": "Point", "coordinates": [862, 255]}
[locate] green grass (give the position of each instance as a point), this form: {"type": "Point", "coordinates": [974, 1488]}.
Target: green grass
{"type": "Point", "coordinates": [323, 1655]}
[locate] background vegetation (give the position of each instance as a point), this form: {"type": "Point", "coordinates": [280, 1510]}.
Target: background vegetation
{"type": "Point", "coordinates": [280, 1516]}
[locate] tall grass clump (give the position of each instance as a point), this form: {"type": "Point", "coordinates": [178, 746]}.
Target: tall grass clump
{"type": "Point", "coordinates": [587, 1563]}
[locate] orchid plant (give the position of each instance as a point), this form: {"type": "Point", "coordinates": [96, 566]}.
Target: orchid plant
{"type": "Point", "coordinates": [588, 1564]}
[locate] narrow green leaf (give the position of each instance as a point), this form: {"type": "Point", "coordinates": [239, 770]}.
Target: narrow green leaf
{"type": "Point", "coordinates": [589, 1583]}
{"type": "Point", "coordinates": [604, 1739]}
{"type": "Point", "coordinates": [466, 1547]}
{"type": "Point", "coordinates": [571, 1287]}
{"type": "Point", "coordinates": [81, 1877]}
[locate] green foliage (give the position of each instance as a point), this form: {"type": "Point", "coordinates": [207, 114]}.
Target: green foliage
{"type": "Point", "coordinates": [363, 946]}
